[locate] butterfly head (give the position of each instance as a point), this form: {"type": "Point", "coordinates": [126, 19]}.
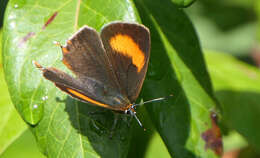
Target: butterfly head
{"type": "Point", "coordinates": [131, 111]}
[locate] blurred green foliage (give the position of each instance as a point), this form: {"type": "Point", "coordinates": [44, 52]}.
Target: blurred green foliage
{"type": "Point", "coordinates": [226, 26]}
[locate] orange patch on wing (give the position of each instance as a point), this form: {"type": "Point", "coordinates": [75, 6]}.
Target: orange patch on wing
{"type": "Point", "coordinates": [83, 97]}
{"type": "Point", "coordinates": [66, 63]}
{"type": "Point", "coordinates": [69, 42]}
{"type": "Point", "coordinates": [65, 50]}
{"type": "Point", "coordinates": [125, 45]}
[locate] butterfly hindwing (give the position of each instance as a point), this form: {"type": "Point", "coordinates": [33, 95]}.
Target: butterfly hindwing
{"type": "Point", "coordinates": [75, 88]}
{"type": "Point", "coordinates": [85, 56]}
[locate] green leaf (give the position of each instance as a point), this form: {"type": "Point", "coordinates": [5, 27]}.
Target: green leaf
{"type": "Point", "coordinates": [237, 87]}
{"type": "Point", "coordinates": [183, 3]}
{"type": "Point", "coordinates": [234, 141]}
{"type": "Point", "coordinates": [177, 67]}
{"type": "Point", "coordinates": [24, 147]}
{"type": "Point", "coordinates": [11, 124]}
{"type": "Point", "coordinates": [62, 126]}
{"type": "Point", "coordinates": [257, 10]}
{"type": "Point", "coordinates": [149, 143]}
{"type": "Point", "coordinates": [3, 4]}
{"type": "Point", "coordinates": [156, 148]}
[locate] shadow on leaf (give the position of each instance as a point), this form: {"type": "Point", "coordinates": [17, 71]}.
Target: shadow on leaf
{"type": "Point", "coordinates": [95, 125]}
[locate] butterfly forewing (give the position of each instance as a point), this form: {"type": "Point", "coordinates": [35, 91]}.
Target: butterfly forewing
{"type": "Point", "coordinates": [128, 48]}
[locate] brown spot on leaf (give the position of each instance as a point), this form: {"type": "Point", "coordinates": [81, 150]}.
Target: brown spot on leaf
{"type": "Point", "coordinates": [231, 154]}
{"type": "Point", "coordinates": [255, 55]}
{"type": "Point", "coordinates": [212, 136]}
{"type": "Point", "coordinates": [50, 20]}
{"type": "Point", "coordinates": [26, 38]}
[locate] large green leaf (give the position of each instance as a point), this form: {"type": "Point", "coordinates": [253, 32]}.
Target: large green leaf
{"type": "Point", "coordinates": [62, 126]}
{"type": "Point", "coordinates": [237, 87]}
{"type": "Point", "coordinates": [177, 67]}
{"type": "Point", "coordinates": [11, 124]}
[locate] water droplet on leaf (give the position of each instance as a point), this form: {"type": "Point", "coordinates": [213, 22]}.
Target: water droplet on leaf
{"type": "Point", "coordinates": [35, 106]}
{"type": "Point", "coordinates": [44, 98]}
{"type": "Point", "coordinates": [12, 25]}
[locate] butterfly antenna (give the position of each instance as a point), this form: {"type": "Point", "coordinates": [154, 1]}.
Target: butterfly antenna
{"type": "Point", "coordinates": [155, 100]}
{"type": "Point", "coordinates": [133, 113]}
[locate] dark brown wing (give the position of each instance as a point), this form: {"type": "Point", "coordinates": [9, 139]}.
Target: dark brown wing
{"type": "Point", "coordinates": [95, 80]}
{"type": "Point", "coordinates": [128, 49]}
{"type": "Point", "coordinates": [90, 91]}
{"type": "Point", "coordinates": [85, 56]}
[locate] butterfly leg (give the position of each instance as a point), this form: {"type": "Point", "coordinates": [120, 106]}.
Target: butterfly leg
{"type": "Point", "coordinates": [116, 117]}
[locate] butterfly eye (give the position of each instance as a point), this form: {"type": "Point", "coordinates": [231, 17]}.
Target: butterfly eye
{"type": "Point", "coordinates": [127, 111]}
